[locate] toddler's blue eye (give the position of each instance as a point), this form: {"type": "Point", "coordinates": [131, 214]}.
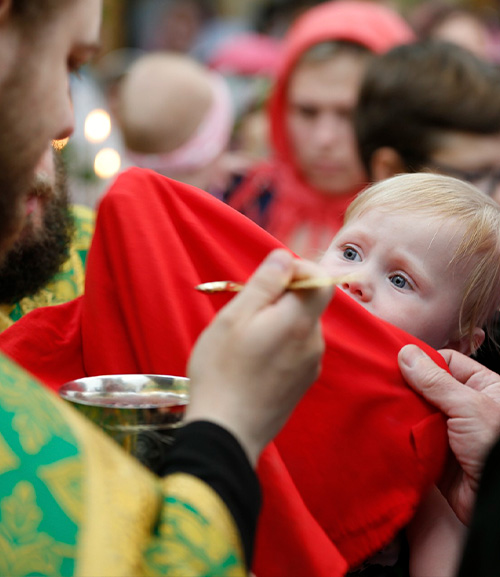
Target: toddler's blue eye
{"type": "Point", "coordinates": [399, 281]}
{"type": "Point", "coordinates": [351, 254]}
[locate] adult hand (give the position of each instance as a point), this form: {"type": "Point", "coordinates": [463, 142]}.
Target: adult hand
{"type": "Point", "coordinates": [257, 358]}
{"type": "Point", "coordinates": [470, 397]}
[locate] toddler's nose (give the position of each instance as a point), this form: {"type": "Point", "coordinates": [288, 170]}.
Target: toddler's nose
{"type": "Point", "coordinates": [359, 289]}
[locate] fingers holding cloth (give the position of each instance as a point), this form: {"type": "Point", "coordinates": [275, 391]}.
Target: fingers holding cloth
{"type": "Point", "coordinates": [470, 397]}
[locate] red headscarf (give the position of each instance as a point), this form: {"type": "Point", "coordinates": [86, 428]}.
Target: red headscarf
{"type": "Point", "coordinates": [248, 54]}
{"type": "Point", "coordinates": [295, 201]}
{"type": "Point", "coordinates": [360, 451]}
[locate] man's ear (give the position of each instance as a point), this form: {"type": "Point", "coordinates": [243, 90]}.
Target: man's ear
{"type": "Point", "coordinates": [463, 345]}
{"type": "Point", "coordinates": [5, 10]}
{"type": "Point", "coordinates": [386, 162]}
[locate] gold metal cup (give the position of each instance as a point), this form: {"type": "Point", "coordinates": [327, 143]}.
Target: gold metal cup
{"type": "Point", "coordinates": [140, 412]}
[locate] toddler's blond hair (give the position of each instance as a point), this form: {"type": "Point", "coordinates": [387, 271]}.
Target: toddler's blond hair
{"type": "Point", "coordinates": [477, 217]}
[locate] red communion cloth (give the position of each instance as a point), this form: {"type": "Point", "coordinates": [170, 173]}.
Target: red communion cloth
{"type": "Point", "coordinates": [360, 451]}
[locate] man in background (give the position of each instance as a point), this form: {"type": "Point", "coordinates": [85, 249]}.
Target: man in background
{"type": "Point", "coordinates": [431, 106]}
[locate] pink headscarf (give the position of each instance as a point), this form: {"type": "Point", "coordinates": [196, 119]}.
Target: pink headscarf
{"type": "Point", "coordinates": [247, 55]}
{"type": "Point", "coordinates": [207, 143]}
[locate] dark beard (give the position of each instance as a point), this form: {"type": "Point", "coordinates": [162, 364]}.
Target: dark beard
{"type": "Point", "coordinates": [38, 255]}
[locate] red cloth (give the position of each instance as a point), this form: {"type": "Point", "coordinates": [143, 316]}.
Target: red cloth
{"type": "Point", "coordinates": [47, 342]}
{"type": "Point", "coordinates": [350, 467]}
{"type": "Point", "coordinates": [296, 202]}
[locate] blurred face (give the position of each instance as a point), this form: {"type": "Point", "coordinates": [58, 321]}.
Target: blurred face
{"type": "Point", "coordinates": [466, 31]}
{"type": "Point", "coordinates": [35, 103]}
{"type": "Point", "coordinates": [321, 100]}
{"type": "Point", "coordinates": [471, 157]}
{"type": "Point", "coordinates": [181, 26]}
{"type": "Point", "coordinates": [400, 272]}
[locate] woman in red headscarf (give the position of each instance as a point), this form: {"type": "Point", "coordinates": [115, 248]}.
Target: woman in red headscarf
{"type": "Point", "coordinates": [301, 193]}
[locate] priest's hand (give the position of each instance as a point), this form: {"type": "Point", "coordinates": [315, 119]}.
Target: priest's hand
{"type": "Point", "coordinates": [258, 357]}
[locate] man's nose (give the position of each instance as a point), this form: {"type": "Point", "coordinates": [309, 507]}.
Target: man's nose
{"type": "Point", "coordinates": [360, 289]}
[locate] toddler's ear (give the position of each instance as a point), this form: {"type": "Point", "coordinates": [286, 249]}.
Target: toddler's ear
{"type": "Point", "coordinates": [463, 344]}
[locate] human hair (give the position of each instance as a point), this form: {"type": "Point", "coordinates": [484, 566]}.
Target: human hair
{"type": "Point", "coordinates": [331, 48]}
{"type": "Point", "coordinates": [413, 95]}
{"type": "Point", "coordinates": [274, 17]}
{"type": "Point", "coordinates": [30, 13]}
{"type": "Point", "coordinates": [477, 218]}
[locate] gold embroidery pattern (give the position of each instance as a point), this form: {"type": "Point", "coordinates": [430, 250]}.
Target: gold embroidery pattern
{"type": "Point", "coordinates": [118, 500]}
{"type": "Point", "coordinates": [23, 549]}
{"type": "Point", "coordinates": [85, 225]}
{"type": "Point", "coordinates": [66, 285]}
{"type": "Point", "coordinates": [123, 501]}
{"type": "Point", "coordinates": [8, 459]}
{"type": "Point", "coordinates": [5, 320]}
{"type": "Point", "coordinates": [64, 480]}
{"type": "Point", "coordinates": [69, 282]}
{"type": "Point", "coordinates": [37, 422]}
{"type": "Point", "coordinates": [30, 420]}
{"type": "Point", "coordinates": [196, 535]}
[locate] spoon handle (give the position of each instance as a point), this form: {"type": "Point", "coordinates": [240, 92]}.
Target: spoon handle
{"type": "Point", "coordinates": [308, 283]}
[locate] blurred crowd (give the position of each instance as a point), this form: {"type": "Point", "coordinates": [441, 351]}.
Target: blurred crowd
{"type": "Point", "coordinates": [242, 51]}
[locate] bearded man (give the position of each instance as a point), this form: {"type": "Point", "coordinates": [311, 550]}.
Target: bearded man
{"type": "Point", "coordinates": [71, 501]}
{"type": "Point", "coordinates": [46, 265]}
{"type": "Point", "coordinates": [40, 44]}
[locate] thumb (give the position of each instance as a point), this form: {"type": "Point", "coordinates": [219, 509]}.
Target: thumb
{"type": "Point", "coordinates": [431, 381]}
{"type": "Point", "coordinates": [266, 285]}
